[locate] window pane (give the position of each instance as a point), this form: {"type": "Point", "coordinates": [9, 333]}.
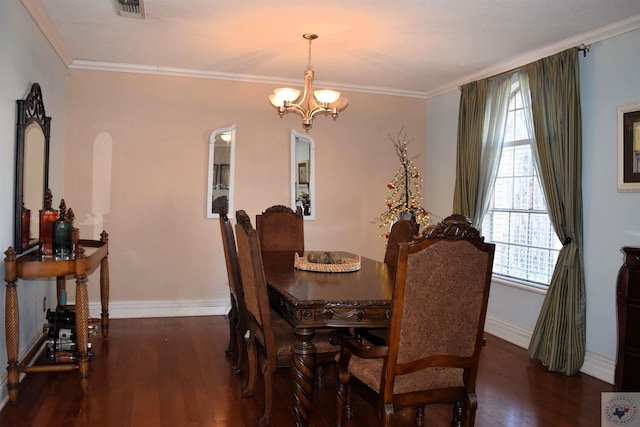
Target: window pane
{"type": "Point", "coordinates": [522, 192]}
{"type": "Point", "coordinates": [519, 228]}
{"type": "Point", "coordinates": [509, 131]}
{"type": "Point", "coordinates": [500, 226]}
{"type": "Point", "coordinates": [523, 162]}
{"type": "Point", "coordinates": [521, 126]}
{"type": "Point", "coordinates": [516, 101]}
{"type": "Point", "coordinates": [503, 193]}
{"type": "Point", "coordinates": [506, 162]}
{"type": "Point", "coordinates": [539, 202]}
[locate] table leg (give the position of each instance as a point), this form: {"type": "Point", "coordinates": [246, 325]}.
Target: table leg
{"type": "Point", "coordinates": [82, 319]}
{"type": "Point", "coordinates": [11, 324]}
{"type": "Point", "coordinates": [104, 296]}
{"type": "Point", "coordinates": [304, 373]}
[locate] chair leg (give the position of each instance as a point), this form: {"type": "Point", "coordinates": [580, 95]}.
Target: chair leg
{"type": "Point", "coordinates": [349, 408]}
{"type": "Point", "coordinates": [471, 404]}
{"type": "Point", "coordinates": [241, 346]}
{"type": "Point", "coordinates": [233, 321]}
{"type": "Point", "coordinates": [268, 372]}
{"type": "Point", "coordinates": [420, 415]}
{"type": "Point", "coordinates": [458, 409]}
{"type": "Point", "coordinates": [387, 415]}
{"type": "Point", "coordinates": [252, 362]}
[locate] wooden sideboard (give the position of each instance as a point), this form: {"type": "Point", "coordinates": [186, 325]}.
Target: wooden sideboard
{"type": "Point", "coordinates": [89, 254]}
{"type": "Point", "coordinates": [627, 374]}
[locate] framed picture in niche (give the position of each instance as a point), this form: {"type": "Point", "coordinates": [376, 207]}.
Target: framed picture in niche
{"type": "Point", "coordinates": [629, 147]}
{"type": "Point", "coordinates": [224, 175]}
{"type": "Point", "coordinates": [303, 173]}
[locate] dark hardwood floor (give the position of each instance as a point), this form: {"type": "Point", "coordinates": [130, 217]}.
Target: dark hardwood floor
{"type": "Point", "coordinates": [173, 372]}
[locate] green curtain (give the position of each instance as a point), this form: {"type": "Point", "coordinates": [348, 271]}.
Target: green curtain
{"type": "Point", "coordinates": [469, 148]}
{"type": "Point", "coordinates": [558, 339]}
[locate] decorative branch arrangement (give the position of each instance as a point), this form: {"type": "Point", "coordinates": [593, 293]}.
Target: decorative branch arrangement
{"type": "Point", "coordinates": [404, 199]}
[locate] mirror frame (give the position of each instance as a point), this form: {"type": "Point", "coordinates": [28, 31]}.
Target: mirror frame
{"type": "Point", "coordinates": [232, 167]}
{"type": "Point", "coordinates": [311, 171]}
{"type": "Point", "coordinates": [29, 111]}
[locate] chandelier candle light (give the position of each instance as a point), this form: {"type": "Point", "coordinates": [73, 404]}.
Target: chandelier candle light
{"type": "Point", "coordinates": [325, 101]}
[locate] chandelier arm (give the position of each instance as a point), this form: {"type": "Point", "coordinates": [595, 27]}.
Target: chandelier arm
{"type": "Point", "coordinates": [295, 108]}
{"type": "Point", "coordinates": [321, 110]}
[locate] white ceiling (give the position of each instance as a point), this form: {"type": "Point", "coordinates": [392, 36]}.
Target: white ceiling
{"type": "Point", "coordinates": [411, 47]}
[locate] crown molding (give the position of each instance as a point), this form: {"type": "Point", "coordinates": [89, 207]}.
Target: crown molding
{"type": "Point", "coordinates": [82, 64]}
{"type": "Point", "coordinates": [42, 20]}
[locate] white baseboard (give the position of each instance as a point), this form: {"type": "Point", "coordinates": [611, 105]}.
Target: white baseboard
{"type": "Point", "coordinates": [174, 308]}
{"type": "Point", "coordinates": [595, 365]}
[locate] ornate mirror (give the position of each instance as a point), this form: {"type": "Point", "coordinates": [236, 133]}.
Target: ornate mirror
{"type": "Point", "coordinates": [303, 150]}
{"type": "Point", "coordinates": [222, 147]}
{"type": "Point", "coordinates": [32, 168]}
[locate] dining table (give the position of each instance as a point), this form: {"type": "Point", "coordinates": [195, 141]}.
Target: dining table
{"type": "Point", "coordinates": [310, 300]}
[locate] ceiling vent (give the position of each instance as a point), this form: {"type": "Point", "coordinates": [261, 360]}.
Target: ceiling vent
{"type": "Point", "coordinates": [130, 8]}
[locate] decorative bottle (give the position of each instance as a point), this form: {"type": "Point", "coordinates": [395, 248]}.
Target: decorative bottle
{"type": "Point", "coordinates": [62, 233]}
{"type": "Point", "coordinates": [47, 217]}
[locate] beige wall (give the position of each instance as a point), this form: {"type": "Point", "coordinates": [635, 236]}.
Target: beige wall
{"type": "Point", "coordinates": [136, 161]}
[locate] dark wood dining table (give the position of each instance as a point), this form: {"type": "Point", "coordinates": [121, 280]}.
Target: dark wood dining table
{"type": "Point", "coordinates": [311, 300]}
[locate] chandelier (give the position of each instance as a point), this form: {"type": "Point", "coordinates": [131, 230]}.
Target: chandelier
{"type": "Point", "coordinates": [325, 101]}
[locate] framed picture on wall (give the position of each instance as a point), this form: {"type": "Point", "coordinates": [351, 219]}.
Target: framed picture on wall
{"type": "Point", "coordinates": [224, 175]}
{"type": "Point", "coordinates": [303, 172]}
{"type": "Point", "coordinates": [629, 147]}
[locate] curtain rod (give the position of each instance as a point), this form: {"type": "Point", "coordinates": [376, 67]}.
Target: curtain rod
{"type": "Point", "coordinates": [584, 48]}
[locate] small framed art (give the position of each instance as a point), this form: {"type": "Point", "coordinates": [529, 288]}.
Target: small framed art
{"type": "Point", "coordinates": [629, 147]}
{"type": "Point", "coordinates": [303, 172]}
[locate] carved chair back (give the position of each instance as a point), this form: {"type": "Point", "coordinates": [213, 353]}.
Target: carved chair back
{"type": "Point", "coordinates": [281, 229]}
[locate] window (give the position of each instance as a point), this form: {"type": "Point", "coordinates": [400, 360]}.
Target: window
{"type": "Point", "coordinates": [517, 220]}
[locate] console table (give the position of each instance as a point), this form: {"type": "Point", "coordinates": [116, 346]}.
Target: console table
{"type": "Point", "coordinates": [89, 254]}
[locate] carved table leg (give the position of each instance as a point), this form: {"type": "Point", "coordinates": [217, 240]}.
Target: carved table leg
{"type": "Point", "coordinates": [104, 288]}
{"type": "Point", "coordinates": [82, 319]}
{"type": "Point", "coordinates": [341, 402]}
{"type": "Point", "coordinates": [11, 324]}
{"type": "Point", "coordinates": [304, 371]}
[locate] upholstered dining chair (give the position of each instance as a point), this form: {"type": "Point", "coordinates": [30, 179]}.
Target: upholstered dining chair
{"type": "Point", "coordinates": [237, 313]}
{"type": "Point", "coordinates": [281, 229]}
{"type": "Point", "coordinates": [271, 338]}
{"type": "Point", "coordinates": [402, 231]}
{"type": "Point", "coordinates": [435, 333]}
